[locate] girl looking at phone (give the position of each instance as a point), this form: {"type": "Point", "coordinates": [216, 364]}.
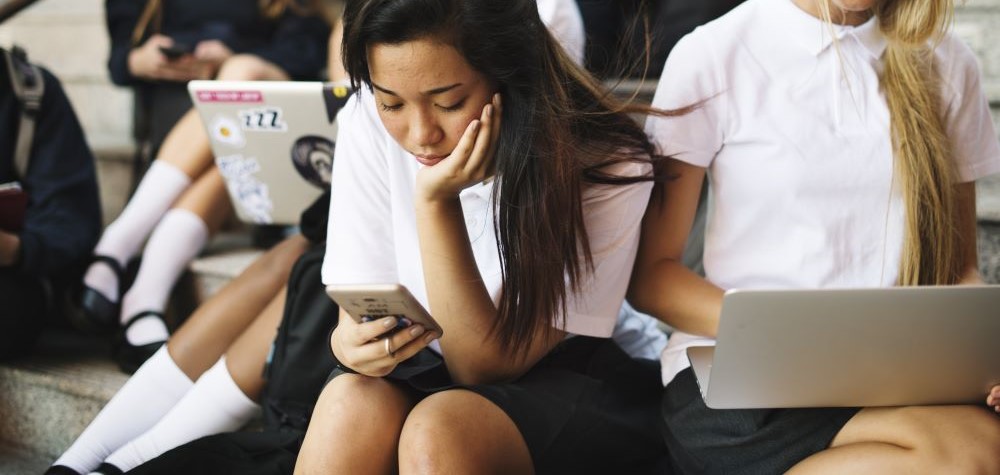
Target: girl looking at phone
{"type": "Point", "coordinates": [842, 139]}
{"type": "Point", "coordinates": [482, 169]}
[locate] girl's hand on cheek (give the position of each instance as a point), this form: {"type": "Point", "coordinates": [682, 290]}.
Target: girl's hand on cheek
{"type": "Point", "coordinates": [471, 162]}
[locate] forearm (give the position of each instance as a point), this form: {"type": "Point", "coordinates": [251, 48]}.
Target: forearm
{"type": "Point", "coordinates": [10, 248]}
{"type": "Point", "coordinates": [680, 298]}
{"type": "Point", "coordinates": [458, 298]}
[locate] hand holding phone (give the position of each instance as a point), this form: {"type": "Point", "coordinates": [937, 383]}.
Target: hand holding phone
{"type": "Point", "coordinates": [364, 303]}
{"type": "Point", "coordinates": [176, 50]}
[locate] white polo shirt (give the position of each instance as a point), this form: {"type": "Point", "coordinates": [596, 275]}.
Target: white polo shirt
{"type": "Point", "coordinates": [372, 236]}
{"type": "Point", "coordinates": [563, 19]}
{"type": "Point", "coordinates": [796, 142]}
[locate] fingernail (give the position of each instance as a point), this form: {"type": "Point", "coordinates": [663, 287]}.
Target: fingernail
{"type": "Point", "coordinates": [388, 322]}
{"type": "Point", "coordinates": [416, 330]}
{"type": "Point", "coordinates": [430, 337]}
{"type": "Point", "coordinates": [489, 110]}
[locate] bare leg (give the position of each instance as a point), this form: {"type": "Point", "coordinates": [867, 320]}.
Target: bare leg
{"type": "Point", "coordinates": [460, 431]}
{"type": "Point", "coordinates": [186, 146]}
{"type": "Point", "coordinates": [926, 439]}
{"type": "Point", "coordinates": [217, 323]}
{"type": "Point", "coordinates": [355, 427]}
{"type": "Point", "coordinates": [245, 358]}
{"type": "Point", "coordinates": [207, 198]}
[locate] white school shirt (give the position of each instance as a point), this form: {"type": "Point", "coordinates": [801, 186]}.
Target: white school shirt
{"type": "Point", "coordinates": [796, 142]}
{"type": "Point", "coordinates": [372, 234]}
{"type": "Point", "coordinates": [563, 19]}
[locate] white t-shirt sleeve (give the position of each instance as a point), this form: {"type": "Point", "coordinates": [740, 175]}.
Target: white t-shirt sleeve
{"type": "Point", "coordinates": [974, 143]}
{"type": "Point", "coordinates": [690, 78]}
{"type": "Point", "coordinates": [612, 215]}
{"type": "Point", "coordinates": [359, 234]}
{"type": "Point", "coordinates": [563, 19]}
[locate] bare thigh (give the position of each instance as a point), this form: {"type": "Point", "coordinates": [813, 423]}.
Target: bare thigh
{"type": "Point", "coordinates": [919, 439]}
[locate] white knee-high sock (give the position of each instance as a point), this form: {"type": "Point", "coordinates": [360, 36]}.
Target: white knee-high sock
{"type": "Point", "coordinates": [159, 188]}
{"type": "Point", "coordinates": [174, 242]}
{"type": "Point", "coordinates": [139, 404]}
{"type": "Point", "coordinates": [214, 405]}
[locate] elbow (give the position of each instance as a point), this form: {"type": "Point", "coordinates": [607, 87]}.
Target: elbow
{"type": "Point", "coordinates": [639, 295]}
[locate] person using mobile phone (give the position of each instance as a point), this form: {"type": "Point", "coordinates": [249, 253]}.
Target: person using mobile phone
{"type": "Point", "coordinates": [181, 200]}
{"type": "Point", "coordinates": [481, 168]}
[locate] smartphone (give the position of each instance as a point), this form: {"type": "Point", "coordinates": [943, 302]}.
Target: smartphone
{"type": "Point", "coordinates": [367, 302]}
{"type": "Point", "coordinates": [176, 50]}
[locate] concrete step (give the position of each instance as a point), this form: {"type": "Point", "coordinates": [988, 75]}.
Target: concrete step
{"type": "Point", "coordinates": [47, 399]}
{"type": "Point", "coordinates": [16, 461]}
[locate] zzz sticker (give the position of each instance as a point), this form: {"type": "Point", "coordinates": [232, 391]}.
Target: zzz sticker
{"type": "Point", "coordinates": [267, 119]}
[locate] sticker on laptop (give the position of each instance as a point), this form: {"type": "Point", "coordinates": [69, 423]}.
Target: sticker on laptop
{"type": "Point", "coordinates": [227, 131]}
{"type": "Point", "coordinates": [312, 156]}
{"type": "Point", "coordinates": [230, 96]}
{"type": "Point", "coordinates": [266, 119]}
{"type": "Point", "coordinates": [250, 195]}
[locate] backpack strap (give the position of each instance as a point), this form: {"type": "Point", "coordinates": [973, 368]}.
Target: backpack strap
{"type": "Point", "coordinates": [29, 86]}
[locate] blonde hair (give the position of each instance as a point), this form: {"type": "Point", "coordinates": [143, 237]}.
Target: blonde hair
{"type": "Point", "coordinates": [152, 15]}
{"type": "Point", "coordinates": [932, 249]}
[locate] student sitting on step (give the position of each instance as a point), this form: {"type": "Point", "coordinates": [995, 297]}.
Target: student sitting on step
{"type": "Point", "coordinates": [50, 214]}
{"type": "Point", "coordinates": [181, 201]}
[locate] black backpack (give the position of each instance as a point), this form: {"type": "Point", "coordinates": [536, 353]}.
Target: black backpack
{"type": "Point", "coordinates": [300, 359]}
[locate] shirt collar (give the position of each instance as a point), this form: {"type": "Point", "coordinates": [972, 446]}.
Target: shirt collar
{"type": "Point", "coordinates": [815, 36]}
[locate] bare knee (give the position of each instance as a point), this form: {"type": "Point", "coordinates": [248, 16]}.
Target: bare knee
{"type": "Point", "coordinates": [247, 67]}
{"type": "Point", "coordinates": [459, 431]}
{"type": "Point", "coordinates": [354, 428]}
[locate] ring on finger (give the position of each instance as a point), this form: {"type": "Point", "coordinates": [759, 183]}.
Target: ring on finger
{"type": "Point", "coordinates": [388, 347]}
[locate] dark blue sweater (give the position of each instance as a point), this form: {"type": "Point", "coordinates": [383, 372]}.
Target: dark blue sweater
{"type": "Point", "coordinates": [296, 43]}
{"type": "Point", "coordinates": [63, 218]}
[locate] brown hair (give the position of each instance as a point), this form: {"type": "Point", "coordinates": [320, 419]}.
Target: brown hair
{"type": "Point", "coordinates": [561, 132]}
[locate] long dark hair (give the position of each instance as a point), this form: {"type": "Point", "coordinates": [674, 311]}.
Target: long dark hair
{"type": "Point", "coordinates": [560, 130]}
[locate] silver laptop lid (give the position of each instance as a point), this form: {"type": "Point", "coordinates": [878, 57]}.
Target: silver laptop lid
{"type": "Point", "coordinates": [870, 347]}
{"type": "Point", "coordinates": [273, 142]}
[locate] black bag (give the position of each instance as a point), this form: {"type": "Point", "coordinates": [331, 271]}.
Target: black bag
{"type": "Point", "coordinates": [300, 360]}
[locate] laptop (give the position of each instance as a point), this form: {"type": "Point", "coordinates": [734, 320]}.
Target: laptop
{"type": "Point", "coordinates": [273, 142]}
{"type": "Point", "coordinates": [845, 348]}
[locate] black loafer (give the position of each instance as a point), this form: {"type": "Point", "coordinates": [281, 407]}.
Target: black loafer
{"type": "Point", "coordinates": [60, 470]}
{"type": "Point", "coordinates": [128, 356]}
{"type": "Point", "coordinates": [108, 469]}
{"type": "Point", "coordinates": [97, 313]}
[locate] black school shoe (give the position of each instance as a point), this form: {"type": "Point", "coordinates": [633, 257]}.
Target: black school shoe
{"type": "Point", "coordinates": [108, 469]}
{"type": "Point", "coordinates": [128, 356]}
{"type": "Point", "coordinates": [96, 313]}
{"type": "Point", "coordinates": [61, 470]}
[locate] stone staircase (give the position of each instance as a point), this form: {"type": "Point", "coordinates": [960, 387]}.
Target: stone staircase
{"type": "Point", "coordinates": [47, 400]}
